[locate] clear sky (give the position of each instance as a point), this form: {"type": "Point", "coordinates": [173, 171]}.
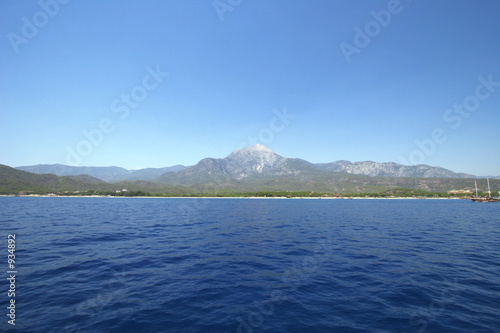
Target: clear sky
{"type": "Point", "coordinates": [159, 83]}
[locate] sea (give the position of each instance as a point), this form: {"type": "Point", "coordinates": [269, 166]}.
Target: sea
{"type": "Point", "coordinates": [250, 265]}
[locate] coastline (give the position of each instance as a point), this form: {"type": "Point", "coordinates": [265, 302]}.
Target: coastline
{"type": "Point", "coordinates": [203, 197]}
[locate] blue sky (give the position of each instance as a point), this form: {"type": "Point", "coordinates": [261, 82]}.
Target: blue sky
{"type": "Point", "coordinates": [158, 83]}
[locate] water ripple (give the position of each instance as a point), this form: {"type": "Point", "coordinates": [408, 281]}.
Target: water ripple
{"type": "Point", "coordinates": [222, 265]}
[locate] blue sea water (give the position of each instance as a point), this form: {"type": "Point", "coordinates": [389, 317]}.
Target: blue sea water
{"type": "Point", "coordinates": [252, 265]}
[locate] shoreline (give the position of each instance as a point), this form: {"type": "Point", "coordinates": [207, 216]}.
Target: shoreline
{"type": "Point", "coordinates": [202, 197]}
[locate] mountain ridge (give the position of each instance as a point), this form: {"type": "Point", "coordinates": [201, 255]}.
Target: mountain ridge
{"type": "Point", "coordinates": [13, 181]}
{"type": "Point", "coordinates": [391, 169]}
{"type": "Point", "coordinates": [109, 173]}
{"type": "Point", "coordinates": [258, 161]}
{"type": "Point", "coordinates": [249, 165]}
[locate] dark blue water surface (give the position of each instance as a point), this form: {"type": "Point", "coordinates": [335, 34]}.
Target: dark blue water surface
{"type": "Point", "coordinates": [252, 265]}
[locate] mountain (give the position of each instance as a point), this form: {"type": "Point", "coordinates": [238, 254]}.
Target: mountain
{"type": "Point", "coordinates": [390, 169]}
{"type": "Point", "coordinates": [241, 164]}
{"type": "Point", "coordinates": [261, 161]}
{"type": "Point", "coordinates": [260, 168]}
{"type": "Point", "coordinates": [13, 180]}
{"type": "Point", "coordinates": [148, 173]}
{"type": "Point", "coordinates": [103, 173]}
{"type": "Point", "coordinates": [111, 173]}
{"type": "Point", "coordinates": [213, 176]}
{"type": "Point", "coordinates": [251, 169]}
{"type": "Point", "coordinates": [257, 159]}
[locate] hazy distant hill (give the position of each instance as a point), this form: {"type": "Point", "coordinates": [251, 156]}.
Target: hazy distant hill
{"type": "Point", "coordinates": [103, 173]}
{"type": "Point", "coordinates": [13, 180]}
{"type": "Point", "coordinates": [111, 173]}
{"type": "Point", "coordinates": [149, 173]}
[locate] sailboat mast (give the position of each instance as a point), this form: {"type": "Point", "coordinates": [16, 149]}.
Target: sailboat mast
{"type": "Point", "coordinates": [489, 191]}
{"type": "Point", "coordinates": [475, 183]}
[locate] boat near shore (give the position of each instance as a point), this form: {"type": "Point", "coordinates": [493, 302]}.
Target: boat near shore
{"type": "Point", "coordinates": [485, 200]}
{"type": "Point", "coordinates": [489, 198]}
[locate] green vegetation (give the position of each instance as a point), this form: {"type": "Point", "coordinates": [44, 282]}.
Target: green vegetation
{"type": "Point", "coordinates": [395, 193]}
{"type": "Point", "coordinates": [14, 182]}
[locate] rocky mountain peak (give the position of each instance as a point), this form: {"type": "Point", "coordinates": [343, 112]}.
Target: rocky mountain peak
{"type": "Point", "coordinates": [257, 151]}
{"type": "Point", "coordinates": [255, 159]}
